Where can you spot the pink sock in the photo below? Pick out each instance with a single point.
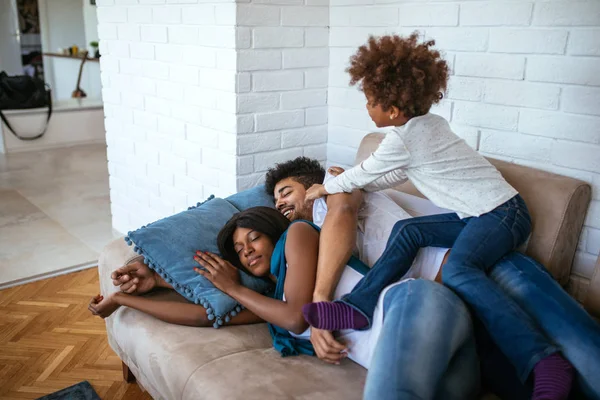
(553, 377)
(333, 316)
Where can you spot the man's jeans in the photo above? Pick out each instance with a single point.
(426, 348)
(556, 314)
(477, 244)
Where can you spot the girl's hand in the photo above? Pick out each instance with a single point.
(219, 272)
(315, 192)
(335, 171)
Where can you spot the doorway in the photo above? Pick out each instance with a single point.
(30, 38)
(21, 44)
(10, 45)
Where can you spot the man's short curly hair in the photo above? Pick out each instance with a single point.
(400, 71)
(302, 169)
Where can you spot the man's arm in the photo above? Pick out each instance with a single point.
(338, 238)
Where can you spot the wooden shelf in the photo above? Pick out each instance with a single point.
(77, 57)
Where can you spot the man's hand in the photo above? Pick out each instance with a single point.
(135, 278)
(327, 348)
(315, 192)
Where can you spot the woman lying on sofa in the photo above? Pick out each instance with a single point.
(431, 318)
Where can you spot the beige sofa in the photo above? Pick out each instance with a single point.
(176, 362)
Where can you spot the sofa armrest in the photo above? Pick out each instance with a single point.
(116, 254)
(592, 299)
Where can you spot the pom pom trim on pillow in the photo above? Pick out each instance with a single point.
(185, 289)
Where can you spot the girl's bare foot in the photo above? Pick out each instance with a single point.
(104, 306)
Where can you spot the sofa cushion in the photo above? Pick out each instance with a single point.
(169, 355)
(169, 245)
(235, 362)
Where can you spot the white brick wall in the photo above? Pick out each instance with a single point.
(202, 97)
(282, 49)
(524, 88)
(165, 97)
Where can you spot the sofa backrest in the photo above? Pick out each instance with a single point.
(557, 205)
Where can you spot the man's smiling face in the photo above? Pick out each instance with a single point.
(289, 200)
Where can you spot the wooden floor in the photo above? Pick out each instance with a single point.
(49, 341)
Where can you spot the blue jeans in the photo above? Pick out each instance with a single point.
(556, 314)
(477, 244)
(426, 349)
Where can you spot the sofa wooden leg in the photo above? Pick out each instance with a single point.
(127, 374)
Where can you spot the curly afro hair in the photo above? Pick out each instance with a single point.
(400, 71)
(303, 169)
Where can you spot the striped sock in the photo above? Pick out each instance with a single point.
(333, 316)
(553, 377)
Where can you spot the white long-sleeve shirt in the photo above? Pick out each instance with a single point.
(440, 165)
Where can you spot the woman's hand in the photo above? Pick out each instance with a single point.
(335, 171)
(219, 272)
(104, 306)
(136, 278)
(315, 192)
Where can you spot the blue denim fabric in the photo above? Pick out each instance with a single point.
(426, 349)
(477, 244)
(556, 314)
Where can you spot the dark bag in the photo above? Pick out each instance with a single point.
(23, 92)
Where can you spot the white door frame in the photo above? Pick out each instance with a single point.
(45, 34)
(12, 47)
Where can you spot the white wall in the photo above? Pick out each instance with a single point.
(169, 79)
(282, 63)
(201, 98)
(525, 85)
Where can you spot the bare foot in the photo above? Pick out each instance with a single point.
(104, 306)
(136, 278)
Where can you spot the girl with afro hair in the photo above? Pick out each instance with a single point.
(401, 79)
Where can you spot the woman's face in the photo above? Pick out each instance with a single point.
(254, 250)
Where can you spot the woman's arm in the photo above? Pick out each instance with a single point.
(173, 312)
(301, 251)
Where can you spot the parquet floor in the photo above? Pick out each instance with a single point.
(49, 341)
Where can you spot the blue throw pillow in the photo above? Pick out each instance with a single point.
(170, 244)
(255, 197)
